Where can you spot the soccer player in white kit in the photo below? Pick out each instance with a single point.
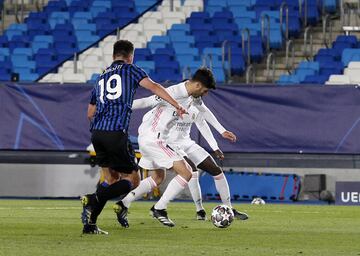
(179, 140)
(156, 153)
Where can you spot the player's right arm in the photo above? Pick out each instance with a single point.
(160, 91)
(147, 102)
(175, 91)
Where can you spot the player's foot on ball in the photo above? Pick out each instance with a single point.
(121, 212)
(201, 215)
(93, 229)
(161, 215)
(88, 203)
(240, 215)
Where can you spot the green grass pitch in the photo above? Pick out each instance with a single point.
(52, 227)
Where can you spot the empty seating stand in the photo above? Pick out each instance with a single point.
(74, 25)
(224, 21)
(331, 64)
(245, 186)
(63, 28)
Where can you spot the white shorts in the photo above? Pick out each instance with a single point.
(156, 154)
(192, 150)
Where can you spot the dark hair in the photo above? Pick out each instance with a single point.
(123, 48)
(205, 77)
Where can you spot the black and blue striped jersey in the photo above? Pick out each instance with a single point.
(114, 94)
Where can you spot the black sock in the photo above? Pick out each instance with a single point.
(98, 206)
(115, 190)
(103, 194)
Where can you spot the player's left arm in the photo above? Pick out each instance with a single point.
(205, 131)
(210, 117)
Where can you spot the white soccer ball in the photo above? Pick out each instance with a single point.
(222, 216)
(257, 200)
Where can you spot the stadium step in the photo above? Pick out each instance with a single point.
(22, 10)
(261, 74)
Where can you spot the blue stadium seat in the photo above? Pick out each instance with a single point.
(86, 40)
(142, 5)
(180, 27)
(309, 65)
(78, 6)
(186, 55)
(4, 42)
(93, 78)
(163, 55)
(302, 73)
(56, 6)
(5, 66)
(59, 15)
(330, 6)
(328, 68)
(85, 27)
(315, 79)
(288, 80)
(246, 3)
(147, 65)
(350, 55)
(27, 75)
(19, 41)
(16, 30)
(238, 65)
(82, 17)
(142, 54)
(4, 54)
(313, 13)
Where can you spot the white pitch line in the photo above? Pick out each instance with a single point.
(39, 208)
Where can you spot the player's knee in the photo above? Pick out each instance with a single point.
(187, 174)
(134, 178)
(158, 177)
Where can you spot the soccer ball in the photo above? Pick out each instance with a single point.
(257, 200)
(222, 216)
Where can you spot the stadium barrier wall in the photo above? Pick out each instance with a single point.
(292, 119)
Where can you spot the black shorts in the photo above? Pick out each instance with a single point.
(114, 150)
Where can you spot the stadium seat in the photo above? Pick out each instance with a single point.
(349, 55)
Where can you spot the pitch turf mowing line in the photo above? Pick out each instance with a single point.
(43, 227)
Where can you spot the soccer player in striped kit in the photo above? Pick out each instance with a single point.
(114, 93)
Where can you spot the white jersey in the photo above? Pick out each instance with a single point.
(176, 130)
(158, 122)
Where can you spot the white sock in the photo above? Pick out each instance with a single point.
(145, 186)
(175, 186)
(195, 191)
(222, 187)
